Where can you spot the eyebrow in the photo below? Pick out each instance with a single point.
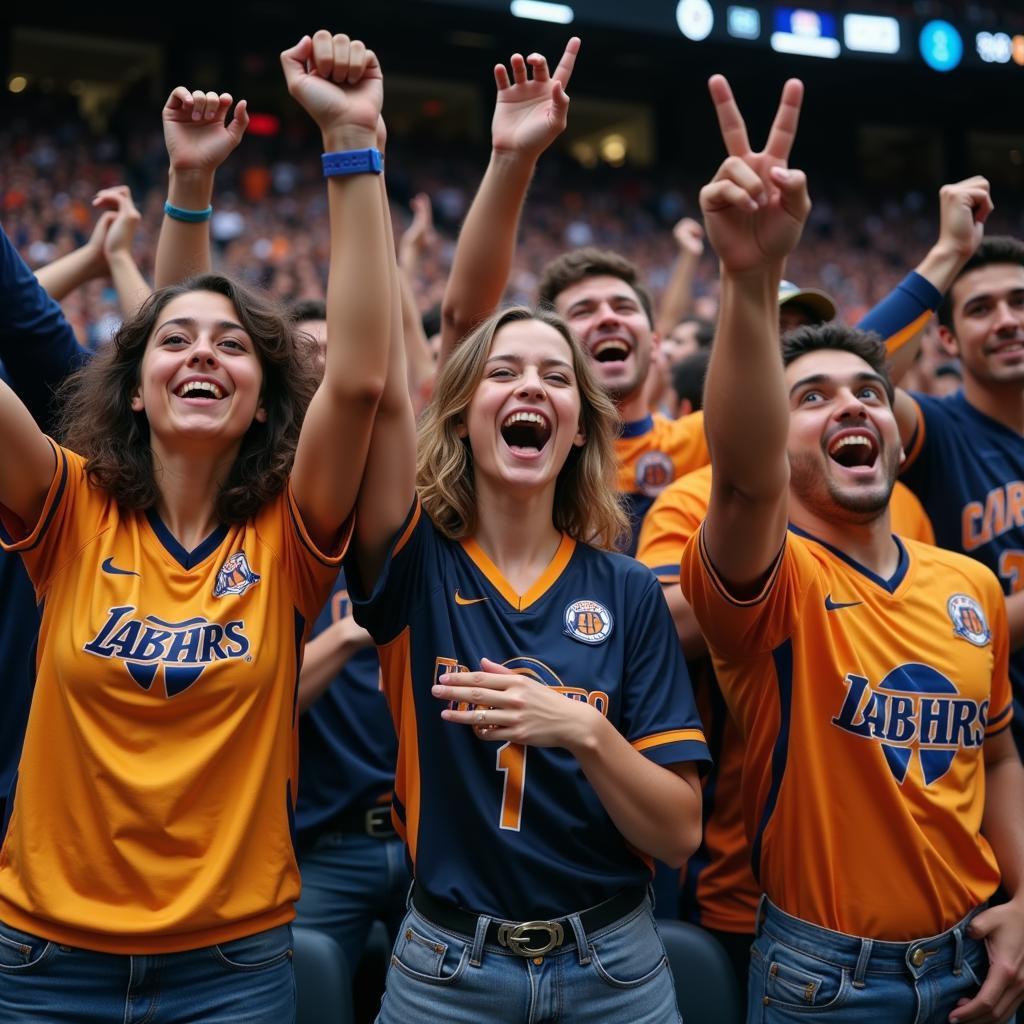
(824, 378)
(584, 300)
(519, 361)
(188, 321)
(982, 296)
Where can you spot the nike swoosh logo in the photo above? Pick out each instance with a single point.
(459, 599)
(831, 606)
(108, 566)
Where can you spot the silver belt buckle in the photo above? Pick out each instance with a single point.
(514, 937)
(378, 823)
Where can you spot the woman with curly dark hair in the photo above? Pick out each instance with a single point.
(180, 541)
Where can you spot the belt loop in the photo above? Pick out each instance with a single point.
(862, 962)
(476, 954)
(582, 945)
(759, 918)
(958, 956)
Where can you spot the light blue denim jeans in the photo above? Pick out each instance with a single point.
(348, 882)
(800, 972)
(249, 979)
(619, 974)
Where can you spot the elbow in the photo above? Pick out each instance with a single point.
(454, 323)
(682, 845)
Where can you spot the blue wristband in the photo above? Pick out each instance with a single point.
(188, 216)
(353, 161)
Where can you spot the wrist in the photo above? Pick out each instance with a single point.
(514, 159)
(943, 263)
(190, 189)
(343, 137)
(586, 738)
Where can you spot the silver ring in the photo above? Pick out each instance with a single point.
(480, 715)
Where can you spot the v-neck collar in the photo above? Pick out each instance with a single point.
(888, 585)
(186, 559)
(544, 582)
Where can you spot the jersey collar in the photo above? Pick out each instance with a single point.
(186, 559)
(543, 583)
(888, 585)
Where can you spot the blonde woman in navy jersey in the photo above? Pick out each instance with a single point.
(546, 728)
(180, 545)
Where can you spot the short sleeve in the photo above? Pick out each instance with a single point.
(659, 715)
(672, 520)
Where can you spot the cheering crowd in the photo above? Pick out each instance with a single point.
(337, 586)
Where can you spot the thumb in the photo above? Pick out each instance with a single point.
(793, 186)
(559, 98)
(238, 123)
(984, 923)
(293, 60)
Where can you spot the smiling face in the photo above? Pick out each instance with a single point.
(606, 315)
(988, 323)
(524, 416)
(844, 445)
(200, 376)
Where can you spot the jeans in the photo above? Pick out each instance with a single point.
(618, 973)
(348, 882)
(249, 979)
(800, 972)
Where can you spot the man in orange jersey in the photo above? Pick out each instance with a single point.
(866, 673)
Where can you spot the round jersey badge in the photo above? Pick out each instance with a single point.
(968, 620)
(654, 472)
(588, 621)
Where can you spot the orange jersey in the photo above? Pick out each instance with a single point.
(653, 452)
(154, 796)
(863, 704)
(719, 883)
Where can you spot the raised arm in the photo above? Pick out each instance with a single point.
(340, 85)
(678, 296)
(754, 212)
(418, 238)
(131, 287)
(529, 114)
(70, 271)
(198, 142)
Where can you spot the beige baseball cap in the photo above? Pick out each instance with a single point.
(820, 303)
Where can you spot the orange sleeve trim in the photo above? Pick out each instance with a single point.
(659, 739)
(414, 518)
(723, 589)
(53, 497)
(345, 534)
(896, 341)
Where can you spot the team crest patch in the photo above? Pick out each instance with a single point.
(235, 576)
(654, 472)
(588, 621)
(968, 620)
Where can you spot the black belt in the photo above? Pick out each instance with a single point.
(518, 937)
(374, 822)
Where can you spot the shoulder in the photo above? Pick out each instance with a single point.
(943, 567)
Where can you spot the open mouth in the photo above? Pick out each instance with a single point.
(854, 451)
(610, 350)
(199, 389)
(525, 431)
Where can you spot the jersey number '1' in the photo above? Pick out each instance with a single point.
(511, 760)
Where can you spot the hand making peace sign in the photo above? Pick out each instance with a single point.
(755, 206)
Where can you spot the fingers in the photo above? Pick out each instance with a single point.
(539, 66)
(482, 718)
(295, 59)
(792, 186)
(240, 121)
(730, 121)
(736, 184)
(180, 99)
(985, 1007)
(783, 133)
(501, 79)
(336, 58)
(565, 66)
(112, 198)
(518, 68)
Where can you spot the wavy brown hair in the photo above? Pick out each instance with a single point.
(586, 502)
(97, 421)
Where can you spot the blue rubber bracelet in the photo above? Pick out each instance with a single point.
(353, 161)
(188, 216)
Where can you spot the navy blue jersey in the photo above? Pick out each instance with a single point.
(347, 742)
(968, 471)
(512, 831)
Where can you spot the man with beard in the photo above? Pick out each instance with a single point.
(867, 673)
(965, 452)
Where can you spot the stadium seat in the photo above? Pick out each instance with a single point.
(321, 980)
(706, 986)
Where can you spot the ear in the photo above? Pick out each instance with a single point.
(580, 437)
(136, 400)
(461, 429)
(948, 342)
(261, 415)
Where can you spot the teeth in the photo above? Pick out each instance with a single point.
(610, 344)
(524, 417)
(204, 386)
(849, 439)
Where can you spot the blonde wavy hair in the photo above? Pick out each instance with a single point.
(586, 505)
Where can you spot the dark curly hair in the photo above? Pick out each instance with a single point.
(97, 421)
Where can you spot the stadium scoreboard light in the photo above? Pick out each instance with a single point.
(803, 30)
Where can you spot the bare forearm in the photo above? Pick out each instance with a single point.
(132, 288)
(61, 277)
(183, 248)
(678, 295)
(656, 810)
(1003, 824)
(486, 247)
(745, 373)
(1015, 619)
(324, 657)
(417, 355)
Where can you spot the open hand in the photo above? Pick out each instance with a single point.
(530, 113)
(124, 219)
(755, 206)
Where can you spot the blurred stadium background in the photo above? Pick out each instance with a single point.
(901, 96)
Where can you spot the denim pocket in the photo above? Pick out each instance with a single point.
(630, 954)
(20, 951)
(801, 982)
(255, 952)
(424, 952)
